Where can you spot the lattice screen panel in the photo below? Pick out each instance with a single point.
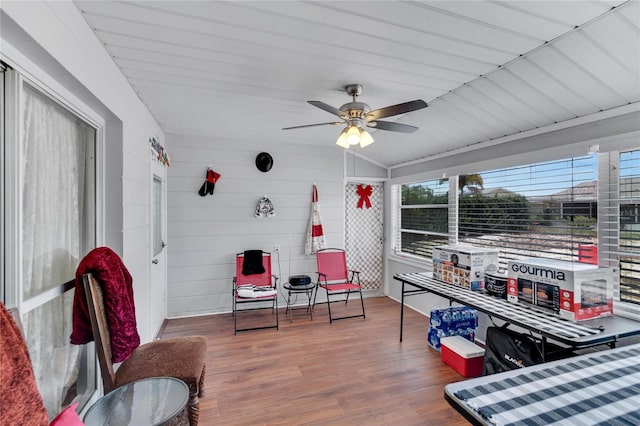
(364, 235)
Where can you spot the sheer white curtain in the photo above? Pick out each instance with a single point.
(53, 176)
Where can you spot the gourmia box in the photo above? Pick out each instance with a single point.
(463, 266)
(575, 291)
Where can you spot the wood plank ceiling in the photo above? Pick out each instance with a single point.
(241, 71)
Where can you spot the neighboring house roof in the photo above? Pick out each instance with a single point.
(586, 191)
(583, 192)
(497, 192)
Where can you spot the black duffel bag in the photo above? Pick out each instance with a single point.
(507, 350)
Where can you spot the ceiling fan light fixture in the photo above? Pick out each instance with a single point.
(342, 140)
(353, 135)
(365, 138)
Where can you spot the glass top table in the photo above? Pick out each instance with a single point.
(152, 401)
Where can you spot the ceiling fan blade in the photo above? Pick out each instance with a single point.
(391, 126)
(396, 109)
(335, 123)
(329, 108)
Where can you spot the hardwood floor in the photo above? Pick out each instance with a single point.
(351, 372)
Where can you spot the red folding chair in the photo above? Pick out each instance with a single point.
(254, 286)
(337, 280)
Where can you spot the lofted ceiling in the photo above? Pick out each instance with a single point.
(243, 70)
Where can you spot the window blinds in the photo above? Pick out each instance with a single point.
(540, 210)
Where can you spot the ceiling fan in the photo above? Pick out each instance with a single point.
(357, 115)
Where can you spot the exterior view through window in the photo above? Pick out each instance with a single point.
(424, 217)
(547, 209)
(541, 210)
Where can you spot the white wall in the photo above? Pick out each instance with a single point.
(54, 36)
(205, 233)
(358, 166)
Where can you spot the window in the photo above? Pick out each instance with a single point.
(424, 217)
(629, 196)
(540, 210)
(49, 162)
(581, 209)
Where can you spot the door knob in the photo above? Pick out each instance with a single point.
(154, 261)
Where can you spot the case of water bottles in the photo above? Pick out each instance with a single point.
(451, 321)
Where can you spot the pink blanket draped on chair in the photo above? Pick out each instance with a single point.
(116, 282)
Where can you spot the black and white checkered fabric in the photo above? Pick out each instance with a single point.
(599, 390)
(537, 320)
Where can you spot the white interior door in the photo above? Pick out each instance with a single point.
(158, 288)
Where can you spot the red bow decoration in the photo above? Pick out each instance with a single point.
(364, 192)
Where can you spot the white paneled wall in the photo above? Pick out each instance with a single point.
(54, 37)
(136, 222)
(205, 233)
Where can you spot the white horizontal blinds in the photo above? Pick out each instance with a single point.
(424, 216)
(538, 210)
(608, 214)
(629, 250)
(453, 211)
(395, 217)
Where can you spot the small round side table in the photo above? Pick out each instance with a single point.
(152, 401)
(306, 289)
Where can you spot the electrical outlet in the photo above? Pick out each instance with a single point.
(276, 248)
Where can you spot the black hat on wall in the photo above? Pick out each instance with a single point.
(264, 162)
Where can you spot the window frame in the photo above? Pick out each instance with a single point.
(11, 281)
(398, 207)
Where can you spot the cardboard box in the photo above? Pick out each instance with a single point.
(462, 265)
(464, 356)
(575, 291)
